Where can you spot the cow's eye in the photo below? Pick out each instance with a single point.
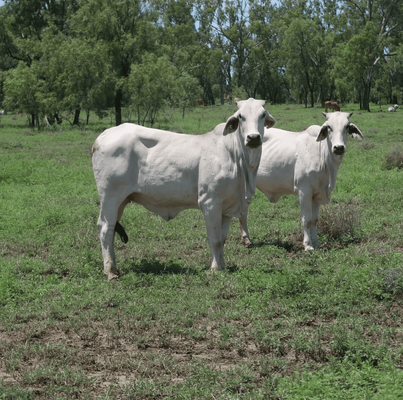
(240, 116)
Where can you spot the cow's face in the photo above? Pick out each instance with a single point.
(336, 129)
(251, 119)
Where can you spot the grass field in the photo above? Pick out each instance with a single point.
(279, 323)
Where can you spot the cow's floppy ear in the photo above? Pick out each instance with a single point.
(324, 131)
(231, 125)
(269, 121)
(355, 132)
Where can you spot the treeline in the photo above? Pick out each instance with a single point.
(78, 56)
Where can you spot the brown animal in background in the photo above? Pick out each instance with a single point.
(333, 105)
(200, 102)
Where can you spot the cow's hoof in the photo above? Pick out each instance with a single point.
(247, 242)
(112, 275)
(309, 248)
(215, 269)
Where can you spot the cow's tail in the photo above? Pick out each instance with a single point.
(122, 233)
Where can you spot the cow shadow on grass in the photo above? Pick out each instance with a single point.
(148, 266)
(153, 266)
(288, 245)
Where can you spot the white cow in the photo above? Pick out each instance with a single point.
(393, 108)
(304, 164)
(3, 112)
(168, 172)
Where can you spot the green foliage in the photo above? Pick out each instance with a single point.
(23, 87)
(152, 83)
(78, 56)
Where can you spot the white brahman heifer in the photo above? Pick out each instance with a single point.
(304, 164)
(168, 172)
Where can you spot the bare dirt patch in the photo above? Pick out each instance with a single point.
(103, 358)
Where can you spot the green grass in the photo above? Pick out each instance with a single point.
(279, 323)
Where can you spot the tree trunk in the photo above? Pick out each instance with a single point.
(76, 117)
(366, 96)
(88, 116)
(118, 107)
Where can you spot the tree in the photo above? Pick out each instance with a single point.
(152, 83)
(303, 52)
(372, 28)
(22, 87)
(125, 28)
(27, 30)
(236, 36)
(186, 90)
(83, 78)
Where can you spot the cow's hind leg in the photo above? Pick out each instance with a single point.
(243, 227)
(314, 226)
(106, 228)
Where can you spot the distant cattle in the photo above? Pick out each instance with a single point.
(3, 112)
(168, 172)
(333, 105)
(200, 102)
(393, 108)
(303, 164)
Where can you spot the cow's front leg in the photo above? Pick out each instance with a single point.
(106, 229)
(243, 227)
(314, 227)
(213, 218)
(305, 202)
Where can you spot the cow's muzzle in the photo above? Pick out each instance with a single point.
(253, 141)
(339, 150)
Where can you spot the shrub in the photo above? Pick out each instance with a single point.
(340, 223)
(394, 159)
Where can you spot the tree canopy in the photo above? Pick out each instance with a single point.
(69, 56)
